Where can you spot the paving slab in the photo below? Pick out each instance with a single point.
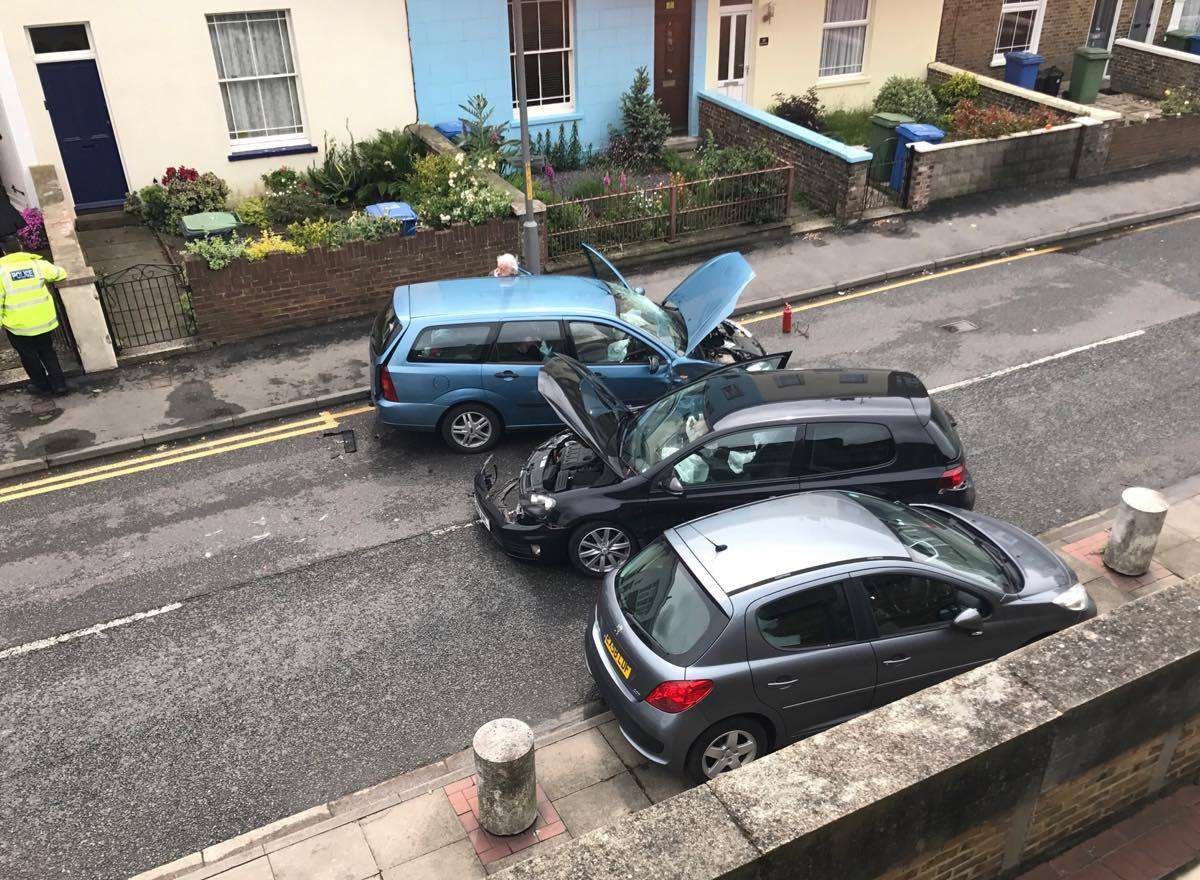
(600, 804)
(1185, 517)
(259, 869)
(1182, 560)
(339, 854)
(629, 756)
(453, 862)
(412, 829)
(572, 764)
(659, 783)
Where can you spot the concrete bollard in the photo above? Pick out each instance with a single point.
(1135, 531)
(507, 783)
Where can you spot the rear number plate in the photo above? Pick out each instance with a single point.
(617, 659)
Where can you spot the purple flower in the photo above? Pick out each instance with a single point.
(33, 235)
(607, 180)
(550, 172)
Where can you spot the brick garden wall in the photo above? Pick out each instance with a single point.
(293, 291)
(968, 33)
(1150, 70)
(996, 92)
(1138, 144)
(831, 183)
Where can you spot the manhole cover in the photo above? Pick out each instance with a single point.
(963, 326)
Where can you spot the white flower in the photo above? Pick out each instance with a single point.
(445, 218)
(460, 158)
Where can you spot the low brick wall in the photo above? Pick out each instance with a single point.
(976, 778)
(997, 92)
(293, 291)
(832, 175)
(1141, 69)
(1138, 144)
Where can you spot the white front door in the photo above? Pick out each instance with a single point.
(733, 50)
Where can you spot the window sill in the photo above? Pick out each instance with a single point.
(565, 115)
(833, 82)
(270, 152)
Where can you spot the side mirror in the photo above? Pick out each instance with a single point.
(673, 485)
(655, 363)
(970, 621)
(640, 291)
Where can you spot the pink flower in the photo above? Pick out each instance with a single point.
(607, 181)
(624, 180)
(550, 171)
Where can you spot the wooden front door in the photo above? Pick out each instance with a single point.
(672, 59)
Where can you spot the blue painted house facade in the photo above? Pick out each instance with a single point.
(580, 56)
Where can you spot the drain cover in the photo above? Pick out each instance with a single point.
(962, 326)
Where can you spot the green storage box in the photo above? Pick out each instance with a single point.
(1088, 74)
(883, 143)
(1177, 40)
(208, 223)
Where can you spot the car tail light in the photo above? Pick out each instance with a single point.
(954, 478)
(387, 390)
(679, 696)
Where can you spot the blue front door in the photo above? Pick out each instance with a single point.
(84, 132)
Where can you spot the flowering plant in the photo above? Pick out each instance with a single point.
(970, 120)
(450, 188)
(33, 235)
(181, 173)
(268, 243)
(1180, 101)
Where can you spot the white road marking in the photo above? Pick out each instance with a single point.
(42, 644)
(448, 529)
(996, 374)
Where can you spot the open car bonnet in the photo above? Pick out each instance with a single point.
(586, 406)
(708, 296)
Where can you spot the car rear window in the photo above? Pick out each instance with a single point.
(849, 446)
(383, 328)
(665, 605)
(944, 434)
(460, 344)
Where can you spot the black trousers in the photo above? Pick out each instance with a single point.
(40, 360)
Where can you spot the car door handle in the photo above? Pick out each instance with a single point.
(506, 374)
(782, 682)
(897, 660)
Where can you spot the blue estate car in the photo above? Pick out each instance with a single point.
(461, 357)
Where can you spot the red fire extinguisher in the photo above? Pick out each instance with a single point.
(787, 318)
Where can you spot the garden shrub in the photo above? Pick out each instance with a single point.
(252, 212)
(319, 232)
(588, 188)
(295, 205)
(1180, 101)
(33, 234)
(183, 191)
(564, 152)
(281, 180)
(340, 174)
(363, 227)
(960, 87)
(908, 95)
(541, 190)
(805, 110)
(269, 242)
(452, 189)
(970, 121)
(482, 139)
(217, 251)
(715, 160)
(644, 127)
(387, 162)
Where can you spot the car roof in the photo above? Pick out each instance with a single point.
(740, 398)
(496, 297)
(771, 539)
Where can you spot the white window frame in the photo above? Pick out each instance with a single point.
(865, 24)
(563, 106)
(1035, 35)
(1176, 15)
(271, 141)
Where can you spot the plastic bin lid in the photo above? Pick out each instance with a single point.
(890, 120)
(1024, 57)
(1181, 33)
(1093, 53)
(395, 210)
(209, 221)
(920, 131)
(454, 126)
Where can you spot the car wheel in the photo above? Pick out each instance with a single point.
(471, 428)
(732, 743)
(598, 547)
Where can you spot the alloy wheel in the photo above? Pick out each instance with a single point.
(471, 429)
(730, 750)
(604, 548)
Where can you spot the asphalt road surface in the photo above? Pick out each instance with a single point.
(330, 619)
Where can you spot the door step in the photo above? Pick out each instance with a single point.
(105, 220)
(682, 143)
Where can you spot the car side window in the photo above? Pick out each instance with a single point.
(601, 344)
(849, 446)
(905, 602)
(527, 342)
(747, 456)
(461, 344)
(808, 618)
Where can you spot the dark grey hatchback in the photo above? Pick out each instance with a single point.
(742, 631)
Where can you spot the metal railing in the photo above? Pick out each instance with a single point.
(146, 304)
(664, 212)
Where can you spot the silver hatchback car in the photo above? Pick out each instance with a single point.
(743, 631)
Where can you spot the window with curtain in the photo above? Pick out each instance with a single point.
(1020, 26)
(257, 75)
(546, 26)
(1187, 13)
(844, 37)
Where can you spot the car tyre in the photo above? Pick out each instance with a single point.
(597, 547)
(725, 746)
(471, 428)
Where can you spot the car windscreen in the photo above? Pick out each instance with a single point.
(638, 310)
(665, 605)
(667, 426)
(935, 542)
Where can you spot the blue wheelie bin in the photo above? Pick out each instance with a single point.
(910, 133)
(1021, 68)
(401, 211)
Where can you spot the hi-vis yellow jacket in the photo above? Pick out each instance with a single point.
(26, 303)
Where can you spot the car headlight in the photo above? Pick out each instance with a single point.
(538, 505)
(1073, 599)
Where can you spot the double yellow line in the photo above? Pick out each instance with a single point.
(324, 421)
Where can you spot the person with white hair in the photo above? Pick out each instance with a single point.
(506, 266)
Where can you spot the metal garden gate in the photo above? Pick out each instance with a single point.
(146, 304)
(878, 192)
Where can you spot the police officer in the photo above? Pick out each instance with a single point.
(29, 317)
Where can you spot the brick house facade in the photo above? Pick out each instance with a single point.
(970, 30)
